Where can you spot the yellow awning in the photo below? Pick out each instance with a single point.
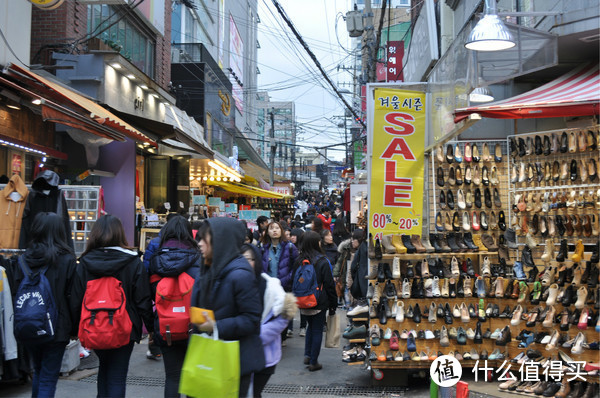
(247, 190)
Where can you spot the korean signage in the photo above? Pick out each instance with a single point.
(396, 167)
(395, 54)
(236, 63)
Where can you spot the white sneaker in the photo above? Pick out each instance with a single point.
(406, 288)
(302, 332)
(359, 309)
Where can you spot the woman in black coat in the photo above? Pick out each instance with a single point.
(107, 255)
(49, 248)
(310, 250)
(360, 266)
(227, 285)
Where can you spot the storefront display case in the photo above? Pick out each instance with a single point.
(83, 205)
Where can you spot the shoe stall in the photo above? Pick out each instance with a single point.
(500, 263)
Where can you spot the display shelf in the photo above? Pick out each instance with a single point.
(357, 340)
(83, 203)
(425, 364)
(420, 256)
(359, 319)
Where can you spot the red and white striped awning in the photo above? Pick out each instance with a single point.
(576, 93)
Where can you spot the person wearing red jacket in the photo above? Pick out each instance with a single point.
(325, 216)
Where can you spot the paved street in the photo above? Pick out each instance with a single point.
(146, 378)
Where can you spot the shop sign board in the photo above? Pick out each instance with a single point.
(395, 54)
(199, 199)
(231, 208)
(252, 215)
(397, 143)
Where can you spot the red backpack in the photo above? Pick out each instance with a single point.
(105, 323)
(173, 299)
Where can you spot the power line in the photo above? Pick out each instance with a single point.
(312, 56)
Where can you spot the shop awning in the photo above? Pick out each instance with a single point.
(576, 93)
(247, 190)
(167, 133)
(62, 105)
(254, 172)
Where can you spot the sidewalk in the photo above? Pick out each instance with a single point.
(146, 378)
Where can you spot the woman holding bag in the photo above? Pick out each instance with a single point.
(227, 285)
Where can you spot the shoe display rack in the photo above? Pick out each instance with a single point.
(460, 291)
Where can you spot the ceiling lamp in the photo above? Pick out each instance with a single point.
(481, 94)
(490, 33)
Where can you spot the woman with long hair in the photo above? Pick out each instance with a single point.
(177, 256)
(311, 251)
(278, 258)
(107, 254)
(47, 252)
(278, 308)
(340, 233)
(360, 265)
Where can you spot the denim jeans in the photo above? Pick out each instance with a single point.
(112, 373)
(173, 357)
(314, 336)
(47, 360)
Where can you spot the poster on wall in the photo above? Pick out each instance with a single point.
(16, 163)
(396, 166)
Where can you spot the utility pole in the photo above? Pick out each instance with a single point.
(368, 43)
(273, 148)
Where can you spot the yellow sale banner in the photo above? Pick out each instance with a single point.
(398, 145)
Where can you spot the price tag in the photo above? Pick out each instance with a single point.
(167, 205)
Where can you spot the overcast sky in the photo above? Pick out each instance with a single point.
(286, 76)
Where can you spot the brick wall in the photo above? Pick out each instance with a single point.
(58, 29)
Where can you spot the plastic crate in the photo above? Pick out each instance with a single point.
(70, 360)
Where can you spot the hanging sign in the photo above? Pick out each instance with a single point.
(396, 186)
(395, 54)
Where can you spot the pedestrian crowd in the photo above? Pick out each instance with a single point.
(247, 285)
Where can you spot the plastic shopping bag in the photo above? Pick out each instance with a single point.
(211, 367)
(334, 333)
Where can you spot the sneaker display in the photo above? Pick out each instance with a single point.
(302, 332)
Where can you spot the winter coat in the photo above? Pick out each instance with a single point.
(45, 196)
(287, 259)
(326, 221)
(331, 251)
(125, 265)
(12, 205)
(278, 308)
(169, 262)
(341, 266)
(228, 286)
(151, 250)
(328, 297)
(7, 338)
(60, 275)
(360, 268)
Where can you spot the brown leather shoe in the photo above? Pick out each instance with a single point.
(515, 292)
(488, 241)
(416, 241)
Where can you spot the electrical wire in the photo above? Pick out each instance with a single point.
(11, 49)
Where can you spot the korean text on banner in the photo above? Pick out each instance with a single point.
(396, 188)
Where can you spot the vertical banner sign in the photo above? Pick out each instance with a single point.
(396, 190)
(395, 55)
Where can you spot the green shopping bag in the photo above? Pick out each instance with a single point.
(211, 367)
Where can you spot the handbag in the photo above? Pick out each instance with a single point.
(333, 334)
(211, 367)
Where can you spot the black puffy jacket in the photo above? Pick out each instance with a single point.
(126, 266)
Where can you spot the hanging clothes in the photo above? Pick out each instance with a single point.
(45, 196)
(12, 206)
(9, 343)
